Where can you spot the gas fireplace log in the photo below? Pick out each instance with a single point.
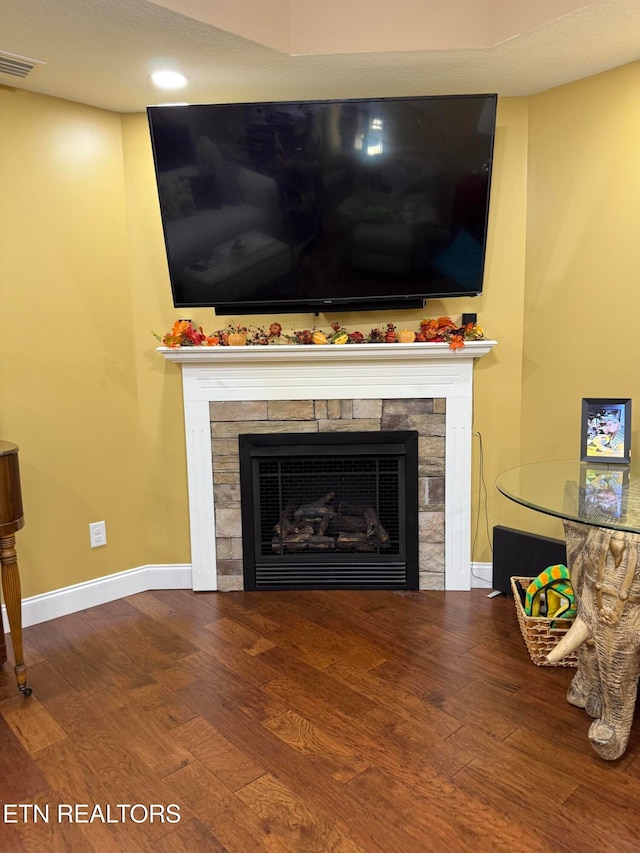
(322, 526)
(368, 513)
(299, 532)
(351, 538)
(321, 543)
(371, 518)
(347, 522)
(360, 518)
(317, 509)
(374, 529)
(355, 542)
(383, 536)
(312, 512)
(316, 527)
(285, 527)
(303, 542)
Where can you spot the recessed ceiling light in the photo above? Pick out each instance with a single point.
(169, 79)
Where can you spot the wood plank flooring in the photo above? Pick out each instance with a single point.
(349, 722)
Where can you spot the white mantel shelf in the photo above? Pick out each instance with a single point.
(331, 372)
(326, 352)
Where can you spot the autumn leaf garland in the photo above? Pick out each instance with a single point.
(431, 330)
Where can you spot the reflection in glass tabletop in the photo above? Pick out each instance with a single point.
(601, 494)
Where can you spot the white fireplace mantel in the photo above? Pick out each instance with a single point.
(358, 371)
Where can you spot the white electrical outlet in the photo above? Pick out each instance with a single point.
(98, 534)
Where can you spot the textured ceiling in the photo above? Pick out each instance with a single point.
(101, 52)
(371, 26)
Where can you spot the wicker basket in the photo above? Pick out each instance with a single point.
(540, 634)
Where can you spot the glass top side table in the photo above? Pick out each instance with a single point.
(599, 504)
(604, 494)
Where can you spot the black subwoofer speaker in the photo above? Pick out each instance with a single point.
(522, 554)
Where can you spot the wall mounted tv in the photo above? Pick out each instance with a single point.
(324, 205)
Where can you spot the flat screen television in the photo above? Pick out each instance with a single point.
(324, 205)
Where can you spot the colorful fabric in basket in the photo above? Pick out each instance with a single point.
(551, 594)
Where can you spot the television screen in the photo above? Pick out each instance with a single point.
(324, 205)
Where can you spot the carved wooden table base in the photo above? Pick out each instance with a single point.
(606, 632)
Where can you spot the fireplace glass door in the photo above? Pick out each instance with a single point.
(330, 510)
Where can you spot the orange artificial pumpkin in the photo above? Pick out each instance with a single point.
(319, 338)
(406, 336)
(236, 339)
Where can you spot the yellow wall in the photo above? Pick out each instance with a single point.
(583, 256)
(497, 377)
(83, 281)
(68, 387)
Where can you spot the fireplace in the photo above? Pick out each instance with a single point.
(229, 391)
(330, 510)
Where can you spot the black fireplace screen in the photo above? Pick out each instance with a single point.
(335, 510)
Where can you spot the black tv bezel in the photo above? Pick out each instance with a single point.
(349, 303)
(326, 306)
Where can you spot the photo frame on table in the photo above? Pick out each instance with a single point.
(602, 492)
(606, 430)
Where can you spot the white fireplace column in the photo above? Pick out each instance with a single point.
(330, 372)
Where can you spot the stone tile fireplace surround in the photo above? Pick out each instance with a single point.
(232, 390)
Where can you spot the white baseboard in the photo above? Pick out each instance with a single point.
(71, 599)
(482, 575)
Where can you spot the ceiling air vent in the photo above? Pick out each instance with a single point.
(16, 65)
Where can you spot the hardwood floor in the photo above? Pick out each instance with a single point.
(302, 721)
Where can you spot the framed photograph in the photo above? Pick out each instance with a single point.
(603, 491)
(606, 430)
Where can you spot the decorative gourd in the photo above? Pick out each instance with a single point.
(340, 337)
(319, 338)
(236, 339)
(406, 336)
